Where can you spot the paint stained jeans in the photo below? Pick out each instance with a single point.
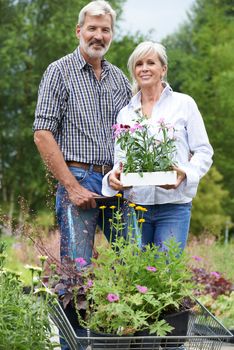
(77, 226)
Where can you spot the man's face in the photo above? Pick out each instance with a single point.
(95, 36)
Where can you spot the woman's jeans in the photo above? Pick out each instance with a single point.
(78, 226)
(165, 221)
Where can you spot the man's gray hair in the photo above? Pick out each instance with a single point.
(142, 50)
(97, 8)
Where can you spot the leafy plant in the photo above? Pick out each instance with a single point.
(128, 289)
(24, 319)
(210, 199)
(212, 283)
(215, 292)
(146, 150)
(222, 307)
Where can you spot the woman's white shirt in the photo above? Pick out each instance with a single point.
(193, 150)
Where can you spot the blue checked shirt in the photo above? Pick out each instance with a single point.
(80, 110)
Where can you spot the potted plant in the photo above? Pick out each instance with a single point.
(127, 289)
(148, 153)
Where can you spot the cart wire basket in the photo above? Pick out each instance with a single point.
(204, 332)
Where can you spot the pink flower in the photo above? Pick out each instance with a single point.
(215, 274)
(151, 268)
(112, 297)
(142, 289)
(161, 121)
(197, 258)
(119, 129)
(136, 127)
(89, 283)
(81, 261)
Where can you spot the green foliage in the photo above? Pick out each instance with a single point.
(215, 255)
(13, 261)
(201, 63)
(130, 289)
(222, 307)
(24, 321)
(33, 34)
(208, 206)
(121, 48)
(144, 149)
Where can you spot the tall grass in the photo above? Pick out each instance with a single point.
(216, 256)
(19, 253)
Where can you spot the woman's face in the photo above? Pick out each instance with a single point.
(149, 70)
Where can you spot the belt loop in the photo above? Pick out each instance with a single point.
(91, 168)
(103, 170)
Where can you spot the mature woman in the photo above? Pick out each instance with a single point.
(168, 208)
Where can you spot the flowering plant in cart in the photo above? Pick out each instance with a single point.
(127, 289)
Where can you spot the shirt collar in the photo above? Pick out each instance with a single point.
(135, 102)
(83, 64)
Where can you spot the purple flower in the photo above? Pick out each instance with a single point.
(89, 283)
(151, 268)
(111, 297)
(215, 274)
(142, 289)
(196, 257)
(81, 261)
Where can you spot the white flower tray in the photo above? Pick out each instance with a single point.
(157, 178)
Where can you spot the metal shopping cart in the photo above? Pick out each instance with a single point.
(204, 332)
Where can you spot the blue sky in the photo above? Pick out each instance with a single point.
(164, 16)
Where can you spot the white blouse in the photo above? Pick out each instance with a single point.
(193, 150)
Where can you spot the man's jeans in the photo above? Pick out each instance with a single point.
(77, 226)
(165, 221)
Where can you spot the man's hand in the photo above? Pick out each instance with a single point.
(54, 160)
(181, 176)
(82, 197)
(114, 180)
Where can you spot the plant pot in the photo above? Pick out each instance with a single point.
(110, 341)
(178, 320)
(157, 178)
(80, 331)
(145, 341)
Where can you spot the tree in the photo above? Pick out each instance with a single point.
(208, 213)
(33, 34)
(202, 65)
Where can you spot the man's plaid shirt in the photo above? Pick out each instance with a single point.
(80, 110)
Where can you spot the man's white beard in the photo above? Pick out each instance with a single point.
(91, 52)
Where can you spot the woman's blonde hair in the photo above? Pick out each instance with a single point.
(142, 50)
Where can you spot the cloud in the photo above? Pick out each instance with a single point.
(163, 16)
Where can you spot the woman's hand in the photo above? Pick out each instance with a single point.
(181, 176)
(114, 180)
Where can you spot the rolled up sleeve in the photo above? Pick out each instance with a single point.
(51, 103)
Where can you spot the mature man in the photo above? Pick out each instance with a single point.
(79, 98)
